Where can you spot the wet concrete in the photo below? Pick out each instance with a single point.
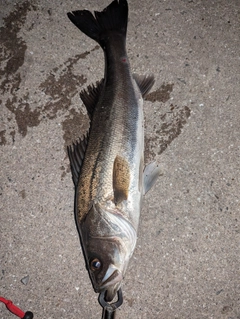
(186, 263)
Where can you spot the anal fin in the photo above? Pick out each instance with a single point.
(76, 154)
(121, 179)
(144, 82)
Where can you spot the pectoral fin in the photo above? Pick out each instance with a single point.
(150, 175)
(76, 154)
(121, 179)
(144, 82)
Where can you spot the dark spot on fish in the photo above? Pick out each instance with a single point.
(161, 95)
(121, 179)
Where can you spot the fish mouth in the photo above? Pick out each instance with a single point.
(111, 282)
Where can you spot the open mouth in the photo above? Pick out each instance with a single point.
(111, 282)
(111, 277)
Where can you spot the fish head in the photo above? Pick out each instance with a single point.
(106, 265)
(108, 241)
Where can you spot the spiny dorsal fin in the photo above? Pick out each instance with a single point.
(144, 82)
(150, 175)
(121, 179)
(90, 96)
(76, 154)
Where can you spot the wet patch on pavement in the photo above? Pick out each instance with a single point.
(24, 116)
(60, 87)
(12, 55)
(162, 94)
(56, 91)
(13, 48)
(168, 124)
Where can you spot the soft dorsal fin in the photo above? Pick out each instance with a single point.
(150, 175)
(144, 82)
(76, 154)
(90, 96)
(121, 179)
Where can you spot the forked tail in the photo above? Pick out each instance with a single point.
(113, 18)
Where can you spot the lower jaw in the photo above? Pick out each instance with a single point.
(110, 291)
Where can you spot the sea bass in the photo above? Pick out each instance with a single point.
(108, 163)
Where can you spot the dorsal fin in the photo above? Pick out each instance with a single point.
(144, 82)
(121, 179)
(76, 154)
(90, 96)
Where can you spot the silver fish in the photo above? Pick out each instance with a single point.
(108, 163)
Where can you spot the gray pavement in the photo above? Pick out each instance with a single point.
(186, 263)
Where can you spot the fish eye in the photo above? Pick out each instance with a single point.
(95, 264)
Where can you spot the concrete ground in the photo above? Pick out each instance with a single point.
(186, 263)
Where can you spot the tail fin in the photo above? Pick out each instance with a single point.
(113, 18)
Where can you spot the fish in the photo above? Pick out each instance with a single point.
(107, 164)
